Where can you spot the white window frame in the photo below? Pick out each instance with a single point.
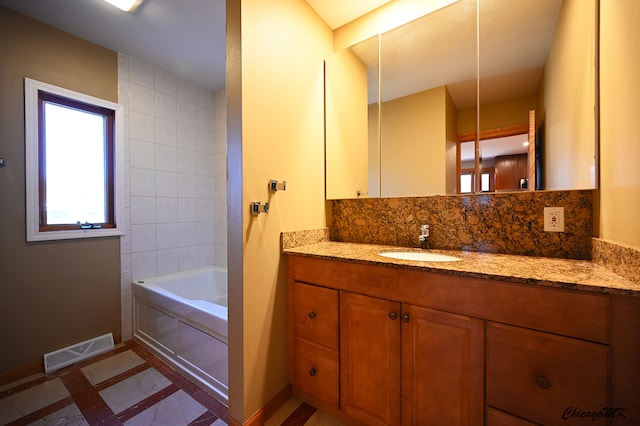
(31, 89)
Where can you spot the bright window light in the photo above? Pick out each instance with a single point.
(75, 194)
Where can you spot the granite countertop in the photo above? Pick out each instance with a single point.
(550, 272)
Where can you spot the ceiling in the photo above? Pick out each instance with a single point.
(185, 37)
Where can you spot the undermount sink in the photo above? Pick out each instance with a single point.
(423, 256)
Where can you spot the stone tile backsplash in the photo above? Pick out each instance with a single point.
(511, 223)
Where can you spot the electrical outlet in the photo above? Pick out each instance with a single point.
(554, 219)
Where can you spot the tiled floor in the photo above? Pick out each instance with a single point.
(127, 386)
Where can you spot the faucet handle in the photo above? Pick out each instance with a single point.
(424, 229)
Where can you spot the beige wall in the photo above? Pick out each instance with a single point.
(413, 141)
(619, 112)
(512, 112)
(56, 293)
(279, 135)
(346, 125)
(570, 99)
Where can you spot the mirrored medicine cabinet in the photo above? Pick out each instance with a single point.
(479, 96)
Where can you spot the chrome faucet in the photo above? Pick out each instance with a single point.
(424, 237)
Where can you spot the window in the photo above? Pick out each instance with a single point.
(72, 159)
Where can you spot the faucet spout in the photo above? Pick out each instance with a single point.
(424, 236)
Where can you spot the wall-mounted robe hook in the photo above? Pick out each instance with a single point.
(257, 208)
(274, 185)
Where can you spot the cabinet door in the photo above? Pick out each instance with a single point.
(370, 359)
(442, 368)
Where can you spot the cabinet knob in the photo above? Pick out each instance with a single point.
(405, 317)
(393, 315)
(543, 382)
(312, 372)
(312, 315)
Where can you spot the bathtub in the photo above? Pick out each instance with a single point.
(182, 318)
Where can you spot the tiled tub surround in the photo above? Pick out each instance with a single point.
(174, 203)
(509, 223)
(550, 272)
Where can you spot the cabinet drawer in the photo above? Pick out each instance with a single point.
(315, 371)
(315, 314)
(539, 376)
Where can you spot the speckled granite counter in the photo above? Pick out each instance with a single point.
(549, 272)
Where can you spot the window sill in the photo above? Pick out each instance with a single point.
(74, 234)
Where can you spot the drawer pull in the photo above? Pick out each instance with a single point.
(312, 315)
(543, 382)
(312, 372)
(393, 315)
(405, 318)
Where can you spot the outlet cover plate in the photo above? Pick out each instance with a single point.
(554, 219)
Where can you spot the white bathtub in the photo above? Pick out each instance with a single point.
(182, 318)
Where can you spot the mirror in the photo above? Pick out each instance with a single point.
(536, 72)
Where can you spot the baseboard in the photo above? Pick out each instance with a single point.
(263, 414)
(34, 368)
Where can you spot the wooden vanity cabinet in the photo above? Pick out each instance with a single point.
(419, 348)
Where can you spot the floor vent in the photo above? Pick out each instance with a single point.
(78, 352)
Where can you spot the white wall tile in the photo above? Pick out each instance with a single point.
(166, 106)
(205, 232)
(166, 210)
(142, 154)
(143, 238)
(168, 261)
(186, 138)
(165, 132)
(141, 126)
(186, 113)
(167, 235)
(174, 220)
(204, 140)
(125, 242)
(141, 99)
(187, 234)
(206, 208)
(143, 182)
(187, 185)
(125, 265)
(206, 255)
(187, 209)
(188, 258)
(204, 164)
(166, 158)
(143, 265)
(187, 161)
(143, 210)
(166, 184)
(205, 186)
